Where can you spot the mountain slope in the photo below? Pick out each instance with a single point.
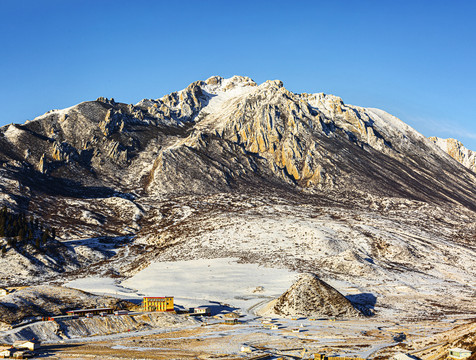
(223, 134)
(229, 168)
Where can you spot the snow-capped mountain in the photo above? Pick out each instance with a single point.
(229, 168)
(223, 134)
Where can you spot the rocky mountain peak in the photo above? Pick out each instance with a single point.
(217, 83)
(457, 151)
(273, 83)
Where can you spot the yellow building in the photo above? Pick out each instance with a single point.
(164, 303)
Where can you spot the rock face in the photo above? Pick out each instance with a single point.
(215, 136)
(310, 296)
(457, 151)
(226, 134)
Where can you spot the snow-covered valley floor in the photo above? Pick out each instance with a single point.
(201, 282)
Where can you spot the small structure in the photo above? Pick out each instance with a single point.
(231, 321)
(274, 327)
(22, 354)
(6, 351)
(61, 317)
(3, 292)
(458, 353)
(27, 345)
(202, 310)
(84, 312)
(232, 315)
(335, 357)
(161, 303)
(246, 349)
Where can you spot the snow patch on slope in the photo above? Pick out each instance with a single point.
(13, 133)
(222, 98)
(58, 112)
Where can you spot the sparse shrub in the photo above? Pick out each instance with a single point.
(21, 231)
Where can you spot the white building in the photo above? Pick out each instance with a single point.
(27, 345)
(458, 353)
(201, 310)
(6, 351)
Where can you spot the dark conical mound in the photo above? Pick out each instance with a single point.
(310, 296)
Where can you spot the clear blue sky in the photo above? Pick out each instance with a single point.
(415, 59)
